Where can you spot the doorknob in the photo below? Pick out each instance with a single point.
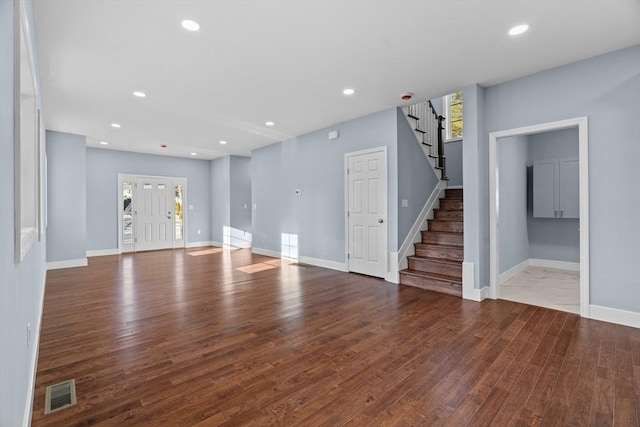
(380, 220)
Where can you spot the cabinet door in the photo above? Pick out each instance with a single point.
(545, 193)
(569, 188)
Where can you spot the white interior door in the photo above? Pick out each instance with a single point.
(367, 213)
(154, 214)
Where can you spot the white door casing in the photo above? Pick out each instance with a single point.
(151, 222)
(367, 212)
(494, 208)
(154, 214)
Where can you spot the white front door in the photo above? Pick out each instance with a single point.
(367, 213)
(154, 218)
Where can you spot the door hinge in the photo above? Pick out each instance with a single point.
(135, 240)
(347, 171)
(348, 256)
(348, 213)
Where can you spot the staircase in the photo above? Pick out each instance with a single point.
(437, 263)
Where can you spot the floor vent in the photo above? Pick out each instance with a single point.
(60, 396)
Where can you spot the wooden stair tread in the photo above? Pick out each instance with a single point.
(437, 260)
(441, 277)
(438, 245)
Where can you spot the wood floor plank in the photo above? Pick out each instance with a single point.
(214, 337)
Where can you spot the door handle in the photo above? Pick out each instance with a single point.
(380, 220)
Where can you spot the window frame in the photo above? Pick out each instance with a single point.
(29, 191)
(446, 108)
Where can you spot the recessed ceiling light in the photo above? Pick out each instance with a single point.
(223, 142)
(104, 143)
(116, 125)
(194, 154)
(518, 29)
(140, 94)
(348, 91)
(163, 145)
(269, 123)
(190, 25)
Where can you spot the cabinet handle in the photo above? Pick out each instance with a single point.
(555, 213)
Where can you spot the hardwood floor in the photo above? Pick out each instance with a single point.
(216, 337)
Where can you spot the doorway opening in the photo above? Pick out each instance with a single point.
(151, 212)
(539, 234)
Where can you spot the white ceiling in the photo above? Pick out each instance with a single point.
(288, 61)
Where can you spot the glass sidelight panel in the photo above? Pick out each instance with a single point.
(127, 217)
(179, 212)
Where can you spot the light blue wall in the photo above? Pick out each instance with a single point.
(550, 238)
(103, 167)
(220, 198)
(67, 197)
(416, 179)
(21, 285)
(315, 165)
(606, 89)
(240, 198)
(453, 152)
(513, 156)
(475, 170)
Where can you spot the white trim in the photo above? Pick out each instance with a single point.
(55, 265)
(582, 124)
(516, 269)
(395, 265)
(176, 244)
(201, 244)
(382, 149)
(324, 263)
(28, 410)
(103, 252)
(454, 187)
(265, 252)
(469, 291)
(559, 265)
(614, 315)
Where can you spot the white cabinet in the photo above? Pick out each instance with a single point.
(556, 188)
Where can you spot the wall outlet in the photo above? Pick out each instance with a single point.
(190, 207)
(405, 203)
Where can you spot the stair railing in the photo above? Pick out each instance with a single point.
(430, 125)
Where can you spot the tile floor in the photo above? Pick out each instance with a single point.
(545, 287)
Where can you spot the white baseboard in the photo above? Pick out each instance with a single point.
(265, 252)
(103, 252)
(28, 410)
(55, 265)
(469, 290)
(454, 187)
(504, 276)
(332, 265)
(243, 245)
(393, 275)
(560, 265)
(201, 244)
(614, 315)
